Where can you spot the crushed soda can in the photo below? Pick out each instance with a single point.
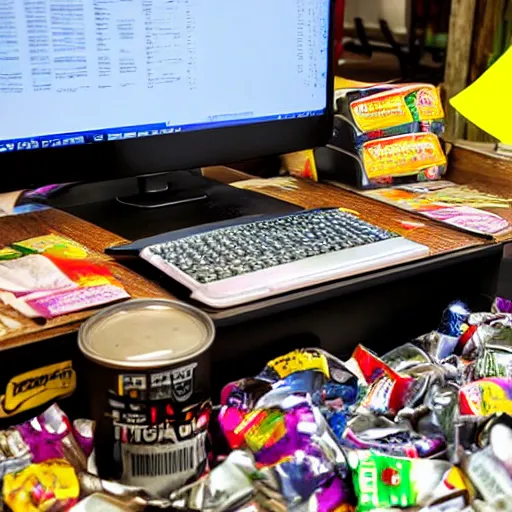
(227, 486)
(15, 454)
(442, 342)
(390, 438)
(114, 494)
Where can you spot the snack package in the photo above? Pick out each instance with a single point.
(382, 481)
(50, 486)
(32, 274)
(389, 390)
(49, 285)
(8, 253)
(486, 396)
(381, 109)
(52, 244)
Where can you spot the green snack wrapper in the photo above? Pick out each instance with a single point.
(385, 482)
(8, 253)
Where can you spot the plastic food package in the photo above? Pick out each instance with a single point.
(50, 486)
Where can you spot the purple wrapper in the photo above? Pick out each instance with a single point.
(50, 436)
(332, 496)
(502, 305)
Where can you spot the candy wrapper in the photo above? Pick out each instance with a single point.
(308, 359)
(49, 285)
(52, 244)
(389, 390)
(51, 436)
(366, 432)
(50, 486)
(486, 396)
(381, 481)
(502, 305)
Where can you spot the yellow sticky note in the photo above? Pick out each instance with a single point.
(487, 103)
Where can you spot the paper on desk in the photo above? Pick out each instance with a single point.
(8, 202)
(487, 103)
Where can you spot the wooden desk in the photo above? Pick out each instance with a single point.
(441, 240)
(20, 227)
(379, 309)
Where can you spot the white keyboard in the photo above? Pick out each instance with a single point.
(242, 263)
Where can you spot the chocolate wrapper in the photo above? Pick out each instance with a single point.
(52, 485)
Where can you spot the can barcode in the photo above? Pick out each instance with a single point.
(159, 464)
(164, 467)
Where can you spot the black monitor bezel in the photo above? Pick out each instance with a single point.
(163, 153)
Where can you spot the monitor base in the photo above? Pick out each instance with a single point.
(97, 203)
(156, 192)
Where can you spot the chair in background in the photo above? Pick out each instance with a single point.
(411, 30)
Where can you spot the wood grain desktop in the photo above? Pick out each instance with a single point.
(441, 240)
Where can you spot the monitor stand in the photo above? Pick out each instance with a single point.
(211, 201)
(156, 192)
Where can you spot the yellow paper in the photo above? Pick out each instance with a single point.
(486, 103)
(347, 83)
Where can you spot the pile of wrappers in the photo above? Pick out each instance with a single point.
(427, 426)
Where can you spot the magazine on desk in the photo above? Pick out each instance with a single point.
(459, 206)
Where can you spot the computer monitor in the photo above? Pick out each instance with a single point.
(103, 89)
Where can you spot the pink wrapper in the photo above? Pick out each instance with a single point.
(71, 301)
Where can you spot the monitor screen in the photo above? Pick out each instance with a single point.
(74, 72)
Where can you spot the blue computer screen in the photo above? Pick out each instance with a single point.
(83, 71)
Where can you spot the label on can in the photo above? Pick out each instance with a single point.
(176, 384)
(160, 467)
(160, 444)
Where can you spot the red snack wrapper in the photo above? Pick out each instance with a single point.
(388, 389)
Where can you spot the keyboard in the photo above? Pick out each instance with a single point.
(233, 265)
